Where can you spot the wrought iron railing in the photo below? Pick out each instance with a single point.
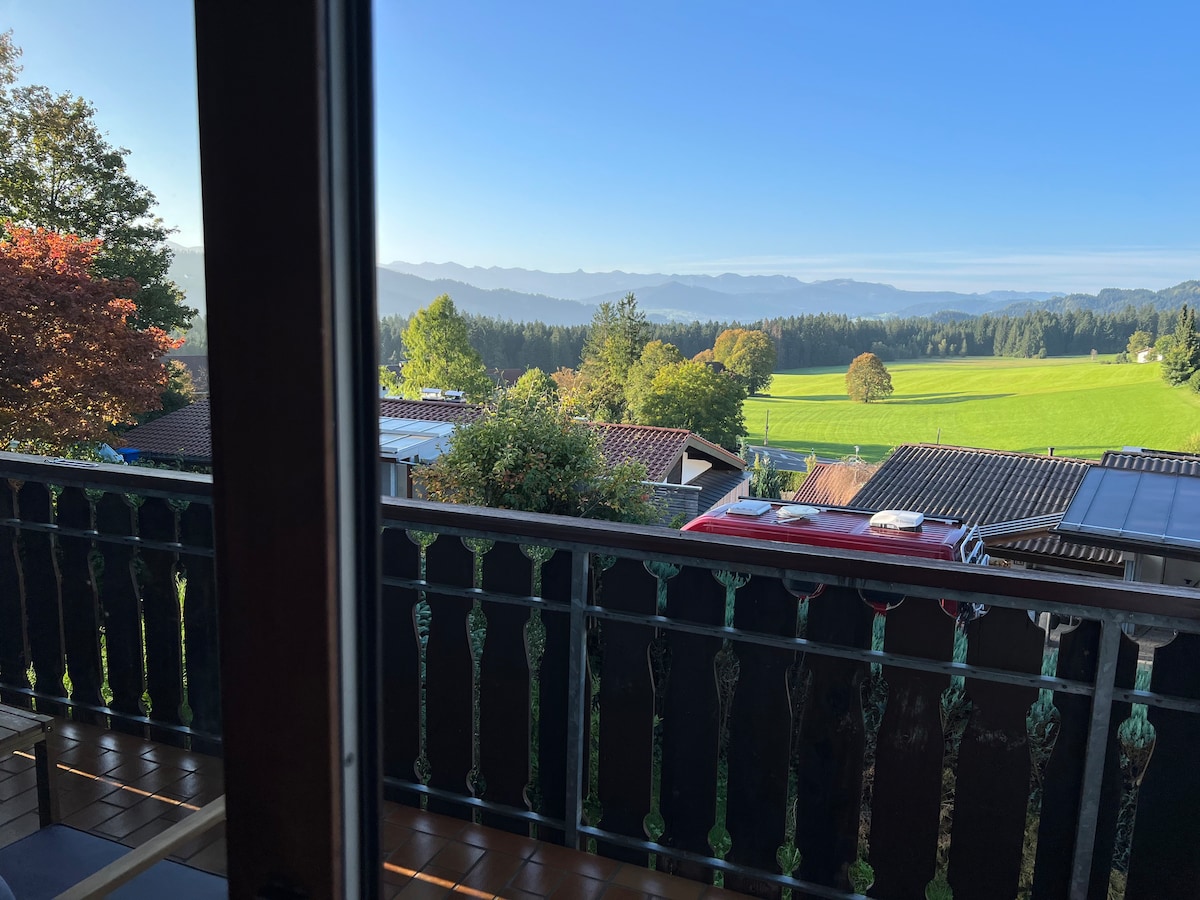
(670, 699)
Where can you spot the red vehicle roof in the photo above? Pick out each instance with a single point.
(837, 528)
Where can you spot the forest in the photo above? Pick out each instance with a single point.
(827, 339)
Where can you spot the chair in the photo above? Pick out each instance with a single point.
(63, 863)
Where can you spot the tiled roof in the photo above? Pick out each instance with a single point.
(978, 486)
(183, 434)
(1153, 461)
(658, 449)
(429, 410)
(833, 484)
(1037, 549)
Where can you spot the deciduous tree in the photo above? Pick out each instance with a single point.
(868, 379)
(690, 395)
(70, 364)
(58, 172)
(527, 453)
(748, 354)
(438, 354)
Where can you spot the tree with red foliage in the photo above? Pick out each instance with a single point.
(71, 365)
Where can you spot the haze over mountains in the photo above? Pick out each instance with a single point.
(571, 298)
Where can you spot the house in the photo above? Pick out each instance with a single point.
(834, 483)
(1148, 355)
(690, 474)
(1014, 499)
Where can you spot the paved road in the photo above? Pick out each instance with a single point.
(784, 460)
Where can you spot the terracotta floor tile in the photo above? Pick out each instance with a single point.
(492, 872)
(18, 806)
(457, 857)
(147, 831)
(500, 841)
(21, 826)
(620, 892)
(657, 883)
(538, 879)
(129, 820)
(587, 864)
(92, 815)
(577, 887)
(201, 842)
(17, 783)
(512, 893)
(418, 850)
(211, 858)
(132, 768)
(439, 875)
(392, 836)
(432, 823)
(422, 890)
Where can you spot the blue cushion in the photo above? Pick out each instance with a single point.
(47, 862)
(5, 891)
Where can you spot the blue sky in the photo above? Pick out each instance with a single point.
(1047, 146)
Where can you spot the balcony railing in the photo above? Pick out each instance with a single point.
(671, 699)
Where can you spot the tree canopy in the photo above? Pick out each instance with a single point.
(72, 366)
(614, 343)
(527, 453)
(868, 379)
(438, 354)
(58, 172)
(691, 395)
(1181, 358)
(748, 354)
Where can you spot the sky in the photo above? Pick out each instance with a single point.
(930, 145)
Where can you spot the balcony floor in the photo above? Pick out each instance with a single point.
(127, 789)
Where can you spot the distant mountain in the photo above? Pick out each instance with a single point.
(570, 298)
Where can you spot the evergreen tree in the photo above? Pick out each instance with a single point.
(438, 354)
(1182, 357)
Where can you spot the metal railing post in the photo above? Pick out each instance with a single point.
(576, 698)
(1093, 763)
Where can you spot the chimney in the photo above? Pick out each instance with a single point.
(1049, 451)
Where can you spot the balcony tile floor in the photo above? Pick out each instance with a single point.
(129, 789)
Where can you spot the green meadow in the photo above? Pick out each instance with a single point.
(1077, 405)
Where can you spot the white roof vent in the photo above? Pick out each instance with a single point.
(898, 520)
(749, 508)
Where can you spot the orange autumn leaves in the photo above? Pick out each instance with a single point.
(70, 364)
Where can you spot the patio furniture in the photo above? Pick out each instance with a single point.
(21, 729)
(65, 863)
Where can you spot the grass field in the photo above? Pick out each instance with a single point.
(1078, 406)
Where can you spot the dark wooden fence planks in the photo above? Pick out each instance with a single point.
(200, 622)
(626, 707)
(401, 665)
(121, 607)
(1077, 658)
(43, 603)
(832, 741)
(449, 675)
(162, 618)
(760, 729)
(907, 791)
(691, 721)
(1163, 862)
(80, 605)
(504, 723)
(14, 647)
(552, 776)
(992, 785)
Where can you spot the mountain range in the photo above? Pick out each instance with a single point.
(571, 298)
